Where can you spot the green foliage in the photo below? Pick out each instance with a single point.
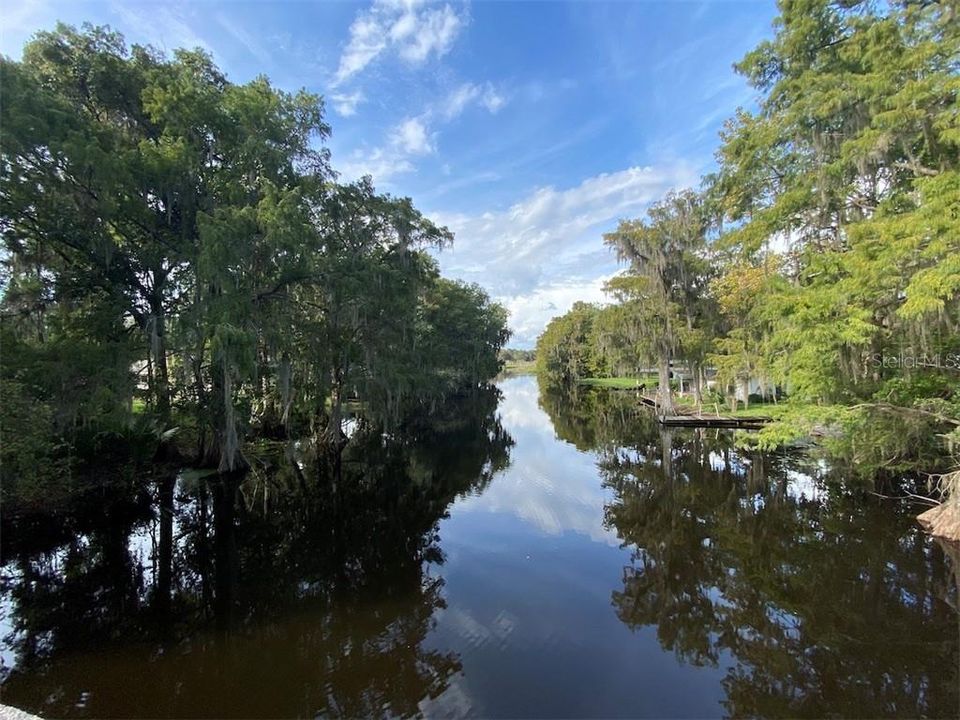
(663, 313)
(35, 460)
(179, 240)
(461, 332)
(567, 350)
(834, 274)
(852, 160)
(515, 355)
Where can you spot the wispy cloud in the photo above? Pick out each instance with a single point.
(432, 31)
(545, 252)
(411, 137)
(405, 141)
(245, 39)
(531, 311)
(20, 21)
(460, 181)
(367, 40)
(414, 136)
(346, 103)
(381, 163)
(412, 29)
(168, 27)
(467, 94)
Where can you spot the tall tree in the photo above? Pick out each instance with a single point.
(850, 166)
(148, 198)
(666, 279)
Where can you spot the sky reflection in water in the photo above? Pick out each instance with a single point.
(531, 554)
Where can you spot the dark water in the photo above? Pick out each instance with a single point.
(517, 555)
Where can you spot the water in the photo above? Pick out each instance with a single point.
(519, 554)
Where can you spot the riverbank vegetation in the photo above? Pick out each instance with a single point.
(518, 362)
(733, 550)
(819, 266)
(183, 273)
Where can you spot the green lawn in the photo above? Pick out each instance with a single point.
(621, 382)
(519, 367)
(772, 410)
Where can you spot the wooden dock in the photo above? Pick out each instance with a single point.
(709, 420)
(712, 421)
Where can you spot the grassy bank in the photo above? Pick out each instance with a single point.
(756, 409)
(621, 382)
(649, 381)
(519, 367)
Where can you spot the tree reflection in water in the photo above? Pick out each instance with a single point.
(818, 601)
(301, 589)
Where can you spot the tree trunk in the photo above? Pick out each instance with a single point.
(334, 437)
(664, 393)
(158, 346)
(201, 394)
(697, 387)
(666, 452)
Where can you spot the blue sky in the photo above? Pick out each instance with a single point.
(528, 128)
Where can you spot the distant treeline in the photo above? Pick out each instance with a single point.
(183, 271)
(513, 355)
(823, 255)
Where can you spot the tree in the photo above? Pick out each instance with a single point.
(666, 279)
(191, 230)
(851, 161)
(848, 172)
(742, 293)
(567, 350)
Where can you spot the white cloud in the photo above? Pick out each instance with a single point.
(410, 28)
(414, 135)
(411, 137)
(380, 163)
(346, 103)
(492, 100)
(167, 27)
(530, 312)
(458, 100)
(433, 31)
(367, 40)
(545, 252)
(405, 141)
(468, 93)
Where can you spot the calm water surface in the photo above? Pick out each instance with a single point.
(519, 554)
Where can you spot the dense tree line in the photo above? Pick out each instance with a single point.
(182, 268)
(517, 355)
(821, 257)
